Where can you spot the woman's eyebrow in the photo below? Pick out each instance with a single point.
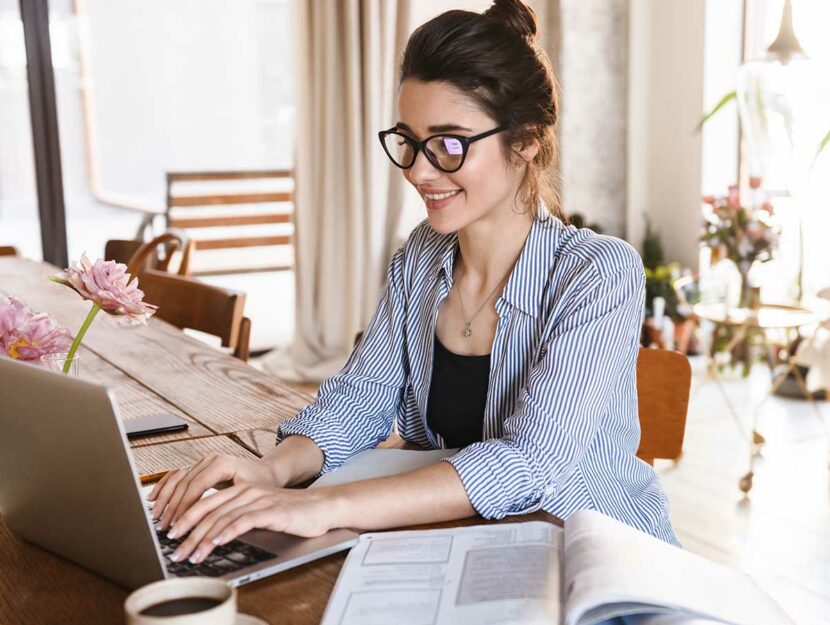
(439, 128)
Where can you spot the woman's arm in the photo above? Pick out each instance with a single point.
(429, 495)
(354, 411)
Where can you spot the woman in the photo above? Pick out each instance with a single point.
(501, 331)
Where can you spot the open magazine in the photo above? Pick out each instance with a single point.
(594, 571)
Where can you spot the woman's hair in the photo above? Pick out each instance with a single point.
(493, 57)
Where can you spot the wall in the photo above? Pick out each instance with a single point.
(594, 110)
(665, 100)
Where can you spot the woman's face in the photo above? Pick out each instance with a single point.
(485, 185)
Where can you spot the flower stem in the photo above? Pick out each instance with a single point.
(80, 336)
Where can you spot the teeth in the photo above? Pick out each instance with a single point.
(440, 196)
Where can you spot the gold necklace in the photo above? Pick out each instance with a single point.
(468, 330)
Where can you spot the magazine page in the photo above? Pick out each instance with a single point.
(485, 574)
(612, 569)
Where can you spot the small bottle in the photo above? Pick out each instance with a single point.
(667, 331)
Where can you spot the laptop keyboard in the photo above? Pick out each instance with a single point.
(224, 559)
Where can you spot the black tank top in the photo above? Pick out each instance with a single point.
(457, 396)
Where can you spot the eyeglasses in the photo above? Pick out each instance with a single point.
(445, 152)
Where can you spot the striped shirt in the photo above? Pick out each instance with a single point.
(560, 426)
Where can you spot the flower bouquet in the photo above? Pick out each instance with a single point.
(743, 235)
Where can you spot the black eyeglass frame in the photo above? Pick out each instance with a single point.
(421, 146)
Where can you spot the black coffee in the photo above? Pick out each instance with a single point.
(181, 607)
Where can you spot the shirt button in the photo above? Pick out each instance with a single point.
(549, 490)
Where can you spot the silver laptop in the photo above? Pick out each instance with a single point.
(68, 484)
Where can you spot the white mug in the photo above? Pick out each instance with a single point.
(183, 601)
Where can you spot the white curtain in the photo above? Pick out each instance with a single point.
(348, 196)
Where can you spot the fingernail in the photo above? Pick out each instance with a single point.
(217, 540)
(172, 533)
(194, 559)
(176, 555)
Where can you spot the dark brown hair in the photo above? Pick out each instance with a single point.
(493, 57)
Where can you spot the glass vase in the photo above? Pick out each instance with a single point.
(57, 362)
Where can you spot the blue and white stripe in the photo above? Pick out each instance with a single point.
(560, 425)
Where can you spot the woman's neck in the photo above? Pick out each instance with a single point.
(489, 248)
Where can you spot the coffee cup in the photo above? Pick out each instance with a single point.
(183, 601)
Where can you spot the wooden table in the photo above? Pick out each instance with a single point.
(231, 407)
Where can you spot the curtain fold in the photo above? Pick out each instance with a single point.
(348, 198)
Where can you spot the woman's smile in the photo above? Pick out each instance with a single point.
(439, 200)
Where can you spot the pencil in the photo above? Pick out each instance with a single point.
(151, 477)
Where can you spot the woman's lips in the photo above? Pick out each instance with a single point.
(442, 203)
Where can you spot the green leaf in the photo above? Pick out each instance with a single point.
(823, 143)
(723, 102)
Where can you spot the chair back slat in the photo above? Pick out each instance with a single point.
(664, 381)
(121, 250)
(188, 303)
(138, 255)
(246, 211)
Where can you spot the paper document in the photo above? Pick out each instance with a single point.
(487, 574)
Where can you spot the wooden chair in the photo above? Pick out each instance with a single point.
(664, 380)
(234, 212)
(138, 255)
(8, 250)
(187, 303)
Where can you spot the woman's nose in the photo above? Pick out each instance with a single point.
(422, 170)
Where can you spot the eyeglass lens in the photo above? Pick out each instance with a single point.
(444, 151)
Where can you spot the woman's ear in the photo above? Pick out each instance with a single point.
(528, 148)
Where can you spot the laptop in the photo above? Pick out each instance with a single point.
(68, 484)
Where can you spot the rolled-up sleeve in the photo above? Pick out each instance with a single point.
(355, 409)
(556, 416)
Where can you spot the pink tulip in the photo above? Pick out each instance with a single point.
(13, 314)
(27, 336)
(107, 284)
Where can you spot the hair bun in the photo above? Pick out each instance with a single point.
(515, 14)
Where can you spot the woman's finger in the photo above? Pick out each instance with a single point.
(159, 485)
(166, 491)
(206, 507)
(236, 522)
(239, 500)
(181, 488)
(219, 470)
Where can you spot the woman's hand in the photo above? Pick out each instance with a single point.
(177, 491)
(224, 515)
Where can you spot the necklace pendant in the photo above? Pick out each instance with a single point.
(467, 331)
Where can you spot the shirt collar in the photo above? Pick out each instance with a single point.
(446, 258)
(530, 274)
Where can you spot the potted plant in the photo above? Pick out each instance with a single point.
(660, 283)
